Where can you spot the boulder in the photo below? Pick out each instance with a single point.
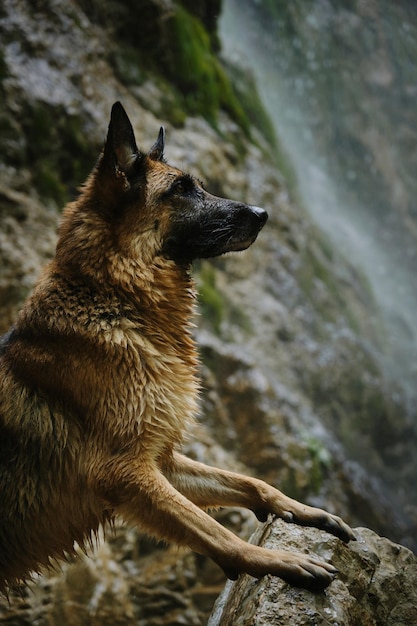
(376, 584)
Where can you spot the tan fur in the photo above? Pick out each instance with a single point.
(98, 384)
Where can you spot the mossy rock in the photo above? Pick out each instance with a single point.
(210, 299)
(57, 148)
(195, 70)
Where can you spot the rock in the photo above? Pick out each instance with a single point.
(376, 584)
(27, 241)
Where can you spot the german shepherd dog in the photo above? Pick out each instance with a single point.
(98, 379)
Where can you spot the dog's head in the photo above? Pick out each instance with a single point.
(154, 209)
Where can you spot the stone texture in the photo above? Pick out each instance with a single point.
(376, 584)
(27, 241)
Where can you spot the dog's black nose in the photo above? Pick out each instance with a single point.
(261, 214)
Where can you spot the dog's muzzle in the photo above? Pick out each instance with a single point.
(253, 218)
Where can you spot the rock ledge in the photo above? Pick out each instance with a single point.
(376, 585)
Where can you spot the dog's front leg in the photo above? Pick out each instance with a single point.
(208, 486)
(144, 496)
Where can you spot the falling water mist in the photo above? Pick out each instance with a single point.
(347, 125)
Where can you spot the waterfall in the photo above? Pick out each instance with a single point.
(339, 82)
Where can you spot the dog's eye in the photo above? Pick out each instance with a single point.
(179, 187)
(182, 186)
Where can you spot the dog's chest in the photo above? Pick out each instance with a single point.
(155, 387)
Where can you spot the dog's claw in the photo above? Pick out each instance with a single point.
(287, 516)
(337, 527)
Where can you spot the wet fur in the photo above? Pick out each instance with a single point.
(98, 379)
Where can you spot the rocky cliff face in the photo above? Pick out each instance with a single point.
(286, 330)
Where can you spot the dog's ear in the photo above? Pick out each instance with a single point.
(156, 153)
(120, 150)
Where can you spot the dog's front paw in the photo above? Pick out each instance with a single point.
(293, 511)
(309, 573)
(297, 569)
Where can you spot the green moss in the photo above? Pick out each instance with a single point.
(192, 68)
(310, 465)
(57, 150)
(210, 298)
(320, 463)
(245, 91)
(215, 306)
(229, 101)
(178, 51)
(195, 70)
